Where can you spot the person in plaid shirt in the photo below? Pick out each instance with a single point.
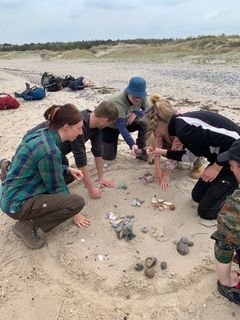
(34, 191)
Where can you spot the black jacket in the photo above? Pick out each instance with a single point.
(203, 133)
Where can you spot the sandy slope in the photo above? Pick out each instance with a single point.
(65, 280)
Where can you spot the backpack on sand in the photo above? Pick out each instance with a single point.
(52, 83)
(31, 94)
(76, 84)
(8, 102)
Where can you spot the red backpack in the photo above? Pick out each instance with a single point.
(8, 102)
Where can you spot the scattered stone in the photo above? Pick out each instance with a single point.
(172, 207)
(122, 185)
(138, 266)
(182, 248)
(123, 228)
(163, 265)
(136, 202)
(150, 262)
(186, 241)
(111, 216)
(149, 272)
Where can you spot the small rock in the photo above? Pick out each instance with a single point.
(138, 266)
(182, 248)
(172, 207)
(149, 273)
(122, 185)
(163, 265)
(150, 262)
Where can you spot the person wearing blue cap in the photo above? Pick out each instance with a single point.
(227, 236)
(131, 104)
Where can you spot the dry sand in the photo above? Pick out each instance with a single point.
(65, 279)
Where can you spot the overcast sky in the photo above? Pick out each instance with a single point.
(25, 21)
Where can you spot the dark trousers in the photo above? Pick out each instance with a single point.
(211, 195)
(110, 135)
(49, 210)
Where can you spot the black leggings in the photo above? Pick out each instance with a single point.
(211, 195)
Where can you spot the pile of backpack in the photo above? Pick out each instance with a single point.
(54, 83)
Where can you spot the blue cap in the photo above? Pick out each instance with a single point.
(136, 87)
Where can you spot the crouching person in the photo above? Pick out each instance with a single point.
(227, 236)
(34, 191)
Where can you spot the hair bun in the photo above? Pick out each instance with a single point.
(155, 98)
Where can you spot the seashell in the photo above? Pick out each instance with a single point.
(167, 203)
(149, 273)
(160, 200)
(160, 208)
(138, 266)
(165, 206)
(140, 200)
(138, 203)
(134, 203)
(154, 200)
(163, 265)
(150, 262)
(182, 248)
(172, 207)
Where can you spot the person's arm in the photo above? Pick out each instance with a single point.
(96, 142)
(94, 192)
(211, 172)
(122, 127)
(103, 182)
(79, 153)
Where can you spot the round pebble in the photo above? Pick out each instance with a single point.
(149, 272)
(182, 248)
(163, 265)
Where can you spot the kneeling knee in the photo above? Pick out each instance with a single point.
(206, 213)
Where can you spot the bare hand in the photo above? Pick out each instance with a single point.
(95, 193)
(211, 172)
(134, 149)
(106, 183)
(81, 221)
(76, 173)
(165, 182)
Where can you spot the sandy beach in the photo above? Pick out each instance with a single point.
(88, 274)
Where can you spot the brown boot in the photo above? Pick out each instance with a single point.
(29, 235)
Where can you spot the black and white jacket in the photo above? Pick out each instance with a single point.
(202, 133)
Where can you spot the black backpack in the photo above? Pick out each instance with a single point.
(52, 83)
